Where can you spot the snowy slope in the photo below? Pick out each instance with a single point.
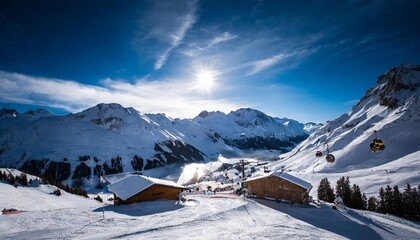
(392, 108)
(201, 217)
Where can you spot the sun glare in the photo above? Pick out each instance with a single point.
(205, 80)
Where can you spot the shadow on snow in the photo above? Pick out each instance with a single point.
(142, 208)
(348, 224)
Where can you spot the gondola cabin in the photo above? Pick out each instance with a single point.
(330, 158)
(377, 145)
(280, 186)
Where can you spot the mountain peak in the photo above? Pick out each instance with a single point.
(250, 114)
(104, 109)
(8, 112)
(204, 113)
(40, 112)
(394, 86)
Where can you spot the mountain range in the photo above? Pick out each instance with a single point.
(109, 138)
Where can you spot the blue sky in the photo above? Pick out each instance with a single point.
(306, 60)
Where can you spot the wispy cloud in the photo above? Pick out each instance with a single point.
(226, 36)
(195, 49)
(168, 23)
(261, 65)
(174, 97)
(177, 37)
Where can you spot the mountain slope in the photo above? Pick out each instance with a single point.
(109, 138)
(391, 108)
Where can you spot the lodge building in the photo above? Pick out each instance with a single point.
(137, 188)
(279, 186)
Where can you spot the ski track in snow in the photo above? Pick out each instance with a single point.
(203, 217)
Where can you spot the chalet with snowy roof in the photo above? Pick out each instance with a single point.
(279, 186)
(137, 188)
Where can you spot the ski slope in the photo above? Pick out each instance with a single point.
(200, 217)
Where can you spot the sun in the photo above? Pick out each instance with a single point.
(205, 80)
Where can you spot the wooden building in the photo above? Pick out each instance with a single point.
(137, 188)
(279, 186)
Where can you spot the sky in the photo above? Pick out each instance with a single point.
(305, 60)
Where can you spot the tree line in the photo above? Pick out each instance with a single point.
(405, 204)
(22, 180)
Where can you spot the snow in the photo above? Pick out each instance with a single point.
(293, 179)
(286, 177)
(131, 185)
(112, 178)
(201, 217)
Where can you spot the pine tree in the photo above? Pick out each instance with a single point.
(343, 190)
(388, 199)
(396, 202)
(356, 198)
(372, 204)
(364, 198)
(408, 202)
(11, 179)
(2, 176)
(325, 192)
(23, 179)
(381, 206)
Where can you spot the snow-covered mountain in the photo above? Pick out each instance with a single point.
(109, 138)
(392, 108)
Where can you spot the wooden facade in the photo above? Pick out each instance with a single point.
(151, 193)
(276, 188)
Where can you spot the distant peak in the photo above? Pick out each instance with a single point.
(110, 107)
(39, 112)
(204, 114)
(102, 106)
(248, 112)
(8, 112)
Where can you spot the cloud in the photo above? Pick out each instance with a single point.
(261, 65)
(171, 26)
(226, 36)
(174, 97)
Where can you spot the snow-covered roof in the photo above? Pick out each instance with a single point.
(131, 185)
(113, 178)
(302, 183)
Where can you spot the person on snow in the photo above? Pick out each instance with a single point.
(180, 197)
(338, 201)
